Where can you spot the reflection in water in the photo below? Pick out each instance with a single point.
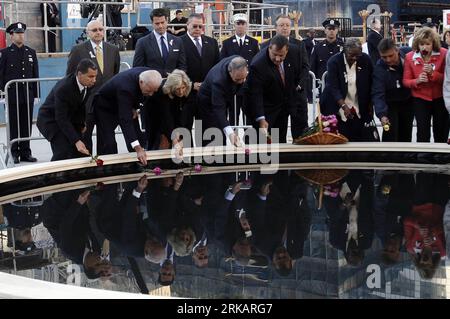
(295, 234)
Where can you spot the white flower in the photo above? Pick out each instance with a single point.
(234, 40)
(92, 55)
(171, 42)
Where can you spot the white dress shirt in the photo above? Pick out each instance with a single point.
(158, 40)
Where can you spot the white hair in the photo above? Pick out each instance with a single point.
(151, 77)
(92, 22)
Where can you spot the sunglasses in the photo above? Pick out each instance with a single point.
(197, 26)
(241, 22)
(95, 30)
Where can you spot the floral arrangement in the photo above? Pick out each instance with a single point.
(329, 125)
(324, 131)
(95, 159)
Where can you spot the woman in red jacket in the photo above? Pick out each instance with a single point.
(424, 74)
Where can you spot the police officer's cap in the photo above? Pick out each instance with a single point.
(331, 23)
(17, 27)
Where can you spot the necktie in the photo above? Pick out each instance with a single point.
(164, 50)
(240, 42)
(99, 55)
(199, 47)
(83, 94)
(281, 70)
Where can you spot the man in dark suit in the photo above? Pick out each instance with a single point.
(160, 50)
(202, 53)
(19, 61)
(243, 45)
(240, 44)
(107, 59)
(373, 39)
(66, 216)
(347, 92)
(215, 98)
(299, 118)
(62, 117)
(116, 103)
(272, 86)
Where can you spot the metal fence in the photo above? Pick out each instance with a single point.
(217, 21)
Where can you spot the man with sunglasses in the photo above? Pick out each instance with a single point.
(104, 55)
(202, 53)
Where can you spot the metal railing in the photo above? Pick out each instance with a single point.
(14, 85)
(12, 12)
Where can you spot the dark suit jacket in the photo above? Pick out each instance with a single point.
(118, 97)
(147, 54)
(199, 66)
(216, 94)
(119, 222)
(373, 39)
(68, 223)
(303, 59)
(63, 111)
(309, 45)
(266, 94)
(336, 87)
(231, 47)
(111, 62)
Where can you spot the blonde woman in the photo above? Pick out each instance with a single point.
(168, 108)
(424, 74)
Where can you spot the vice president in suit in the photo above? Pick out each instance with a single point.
(116, 103)
(160, 50)
(62, 117)
(104, 55)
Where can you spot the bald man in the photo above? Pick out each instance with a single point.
(104, 55)
(116, 103)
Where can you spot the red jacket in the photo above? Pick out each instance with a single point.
(414, 66)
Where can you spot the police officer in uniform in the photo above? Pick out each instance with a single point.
(325, 49)
(19, 61)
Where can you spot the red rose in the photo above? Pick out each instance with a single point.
(99, 162)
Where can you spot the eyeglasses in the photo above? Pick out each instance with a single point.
(241, 22)
(197, 26)
(97, 29)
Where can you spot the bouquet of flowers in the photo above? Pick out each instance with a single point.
(324, 131)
